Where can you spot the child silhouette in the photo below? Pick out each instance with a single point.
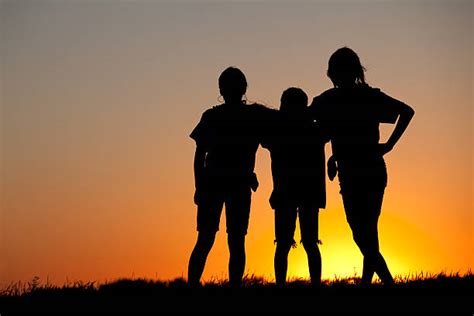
(296, 147)
(227, 139)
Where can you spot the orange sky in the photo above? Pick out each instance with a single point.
(98, 100)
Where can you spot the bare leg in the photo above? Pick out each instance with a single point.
(368, 271)
(373, 259)
(382, 270)
(314, 262)
(309, 223)
(281, 262)
(198, 258)
(362, 211)
(237, 258)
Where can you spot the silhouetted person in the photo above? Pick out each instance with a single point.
(227, 141)
(351, 113)
(297, 152)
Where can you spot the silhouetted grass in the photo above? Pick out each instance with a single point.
(419, 293)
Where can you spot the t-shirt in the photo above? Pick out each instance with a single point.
(296, 146)
(230, 135)
(351, 118)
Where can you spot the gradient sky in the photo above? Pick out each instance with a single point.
(98, 99)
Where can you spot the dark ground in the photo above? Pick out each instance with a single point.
(440, 294)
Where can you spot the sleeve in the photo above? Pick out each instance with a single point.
(200, 133)
(387, 108)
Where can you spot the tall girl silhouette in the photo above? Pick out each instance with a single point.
(350, 113)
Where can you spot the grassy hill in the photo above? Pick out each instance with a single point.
(441, 293)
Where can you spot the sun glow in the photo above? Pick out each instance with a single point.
(97, 166)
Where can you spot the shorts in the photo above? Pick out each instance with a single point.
(285, 224)
(362, 195)
(371, 178)
(236, 199)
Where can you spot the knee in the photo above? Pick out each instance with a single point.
(205, 241)
(369, 251)
(359, 238)
(283, 248)
(371, 257)
(364, 246)
(285, 243)
(236, 241)
(310, 245)
(367, 244)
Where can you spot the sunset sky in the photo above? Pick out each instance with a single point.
(98, 99)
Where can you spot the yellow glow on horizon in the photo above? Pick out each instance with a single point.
(96, 160)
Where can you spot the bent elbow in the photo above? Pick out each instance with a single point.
(409, 112)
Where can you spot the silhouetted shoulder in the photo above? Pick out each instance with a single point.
(385, 107)
(202, 130)
(329, 93)
(215, 110)
(321, 103)
(258, 106)
(209, 113)
(262, 109)
(264, 115)
(263, 120)
(325, 97)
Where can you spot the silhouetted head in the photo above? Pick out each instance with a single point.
(293, 100)
(345, 69)
(232, 84)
